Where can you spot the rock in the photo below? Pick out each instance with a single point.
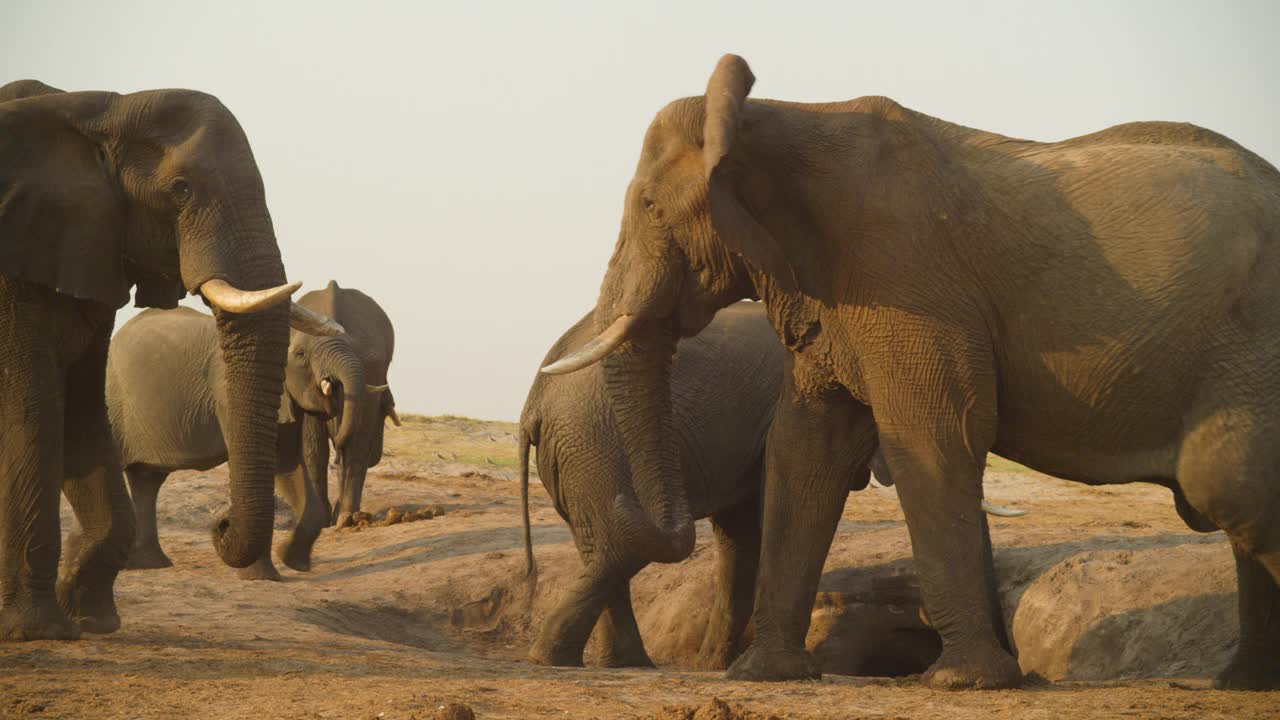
(455, 711)
(1164, 610)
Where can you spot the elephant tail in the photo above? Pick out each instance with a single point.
(530, 568)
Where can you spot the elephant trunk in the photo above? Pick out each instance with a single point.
(355, 465)
(336, 360)
(253, 349)
(653, 512)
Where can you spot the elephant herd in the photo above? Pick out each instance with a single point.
(1104, 309)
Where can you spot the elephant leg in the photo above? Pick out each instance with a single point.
(565, 632)
(1229, 471)
(144, 488)
(315, 460)
(814, 447)
(31, 410)
(300, 493)
(620, 641)
(1256, 665)
(936, 425)
(738, 558)
(93, 483)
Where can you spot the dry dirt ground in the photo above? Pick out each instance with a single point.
(1117, 609)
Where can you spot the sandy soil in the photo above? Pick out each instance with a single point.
(1118, 609)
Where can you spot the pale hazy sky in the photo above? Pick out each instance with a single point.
(464, 163)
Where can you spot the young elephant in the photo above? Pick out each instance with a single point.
(166, 399)
(357, 428)
(725, 384)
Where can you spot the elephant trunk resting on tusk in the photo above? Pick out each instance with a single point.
(227, 297)
(595, 350)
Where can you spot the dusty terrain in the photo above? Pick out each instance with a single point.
(1117, 608)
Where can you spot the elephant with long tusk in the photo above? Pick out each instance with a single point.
(1102, 308)
(154, 194)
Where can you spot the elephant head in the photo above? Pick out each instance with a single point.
(355, 366)
(672, 269)
(101, 192)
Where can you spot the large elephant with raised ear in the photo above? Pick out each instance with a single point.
(167, 403)
(1104, 309)
(355, 428)
(100, 193)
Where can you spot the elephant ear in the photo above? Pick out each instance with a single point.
(380, 427)
(62, 216)
(726, 98)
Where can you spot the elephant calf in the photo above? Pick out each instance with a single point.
(725, 384)
(167, 402)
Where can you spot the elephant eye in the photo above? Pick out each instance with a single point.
(180, 189)
(648, 204)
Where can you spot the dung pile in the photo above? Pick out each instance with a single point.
(391, 516)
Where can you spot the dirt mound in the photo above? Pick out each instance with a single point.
(1113, 614)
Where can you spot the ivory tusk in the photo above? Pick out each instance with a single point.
(391, 413)
(1001, 511)
(598, 347)
(225, 296)
(326, 386)
(377, 388)
(313, 323)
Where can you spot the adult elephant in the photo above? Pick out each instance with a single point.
(101, 192)
(1104, 309)
(725, 384)
(166, 401)
(356, 429)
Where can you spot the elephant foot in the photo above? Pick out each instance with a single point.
(295, 557)
(992, 669)
(555, 656)
(716, 656)
(626, 658)
(1250, 671)
(760, 665)
(148, 557)
(263, 569)
(92, 608)
(45, 621)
